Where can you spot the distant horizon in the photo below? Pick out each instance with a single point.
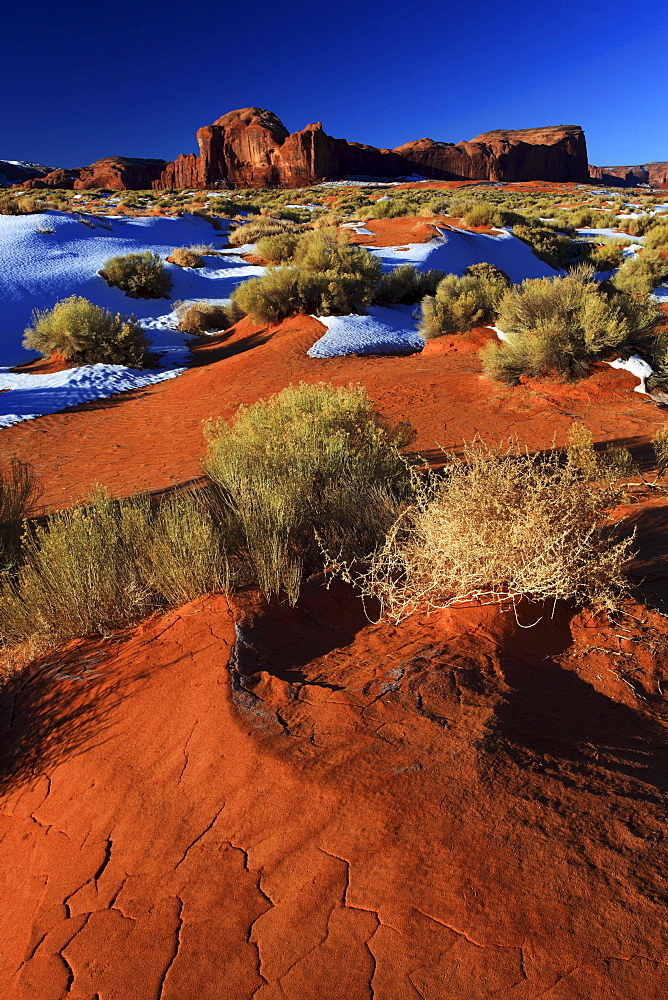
(79, 86)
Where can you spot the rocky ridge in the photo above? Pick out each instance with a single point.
(116, 173)
(655, 174)
(252, 148)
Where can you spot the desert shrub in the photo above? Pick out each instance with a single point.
(186, 257)
(278, 248)
(657, 239)
(213, 220)
(87, 334)
(482, 214)
(104, 564)
(638, 276)
(312, 467)
(639, 226)
(460, 206)
(607, 257)
(460, 303)
(221, 206)
(611, 464)
(554, 248)
(499, 527)
(18, 494)
(327, 277)
(139, 275)
(201, 316)
(405, 284)
(559, 326)
(8, 204)
(251, 232)
(660, 446)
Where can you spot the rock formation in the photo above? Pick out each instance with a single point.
(654, 174)
(17, 171)
(119, 173)
(61, 178)
(252, 148)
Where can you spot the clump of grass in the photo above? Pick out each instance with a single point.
(657, 238)
(616, 461)
(660, 446)
(103, 565)
(186, 257)
(258, 227)
(84, 333)
(460, 303)
(312, 467)
(18, 494)
(499, 527)
(202, 316)
(554, 248)
(139, 275)
(559, 326)
(405, 285)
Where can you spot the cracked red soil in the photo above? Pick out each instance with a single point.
(454, 807)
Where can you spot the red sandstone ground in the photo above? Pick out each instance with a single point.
(235, 801)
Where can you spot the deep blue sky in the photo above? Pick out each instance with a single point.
(140, 79)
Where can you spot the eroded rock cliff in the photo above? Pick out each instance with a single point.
(252, 148)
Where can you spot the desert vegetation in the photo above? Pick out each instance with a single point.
(460, 303)
(326, 276)
(201, 316)
(561, 325)
(139, 275)
(498, 526)
(105, 564)
(186, 257)
(83, 333)
(314, 466)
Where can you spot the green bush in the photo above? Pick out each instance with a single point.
(460, 303)
(558, 326)
(86, 334)
(327, 277)
(103, 565)
(405, 284)
(278, 248)
(312, 467)
(638, 276)
(139, 275)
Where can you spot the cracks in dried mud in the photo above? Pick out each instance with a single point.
(177, 946)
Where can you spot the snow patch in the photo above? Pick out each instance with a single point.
(32, 396)
(636, 366)
(457, 249)
(382, 331)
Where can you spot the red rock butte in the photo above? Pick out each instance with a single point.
(252, 148)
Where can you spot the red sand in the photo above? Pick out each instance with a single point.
(452, 809)
(151, 439)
